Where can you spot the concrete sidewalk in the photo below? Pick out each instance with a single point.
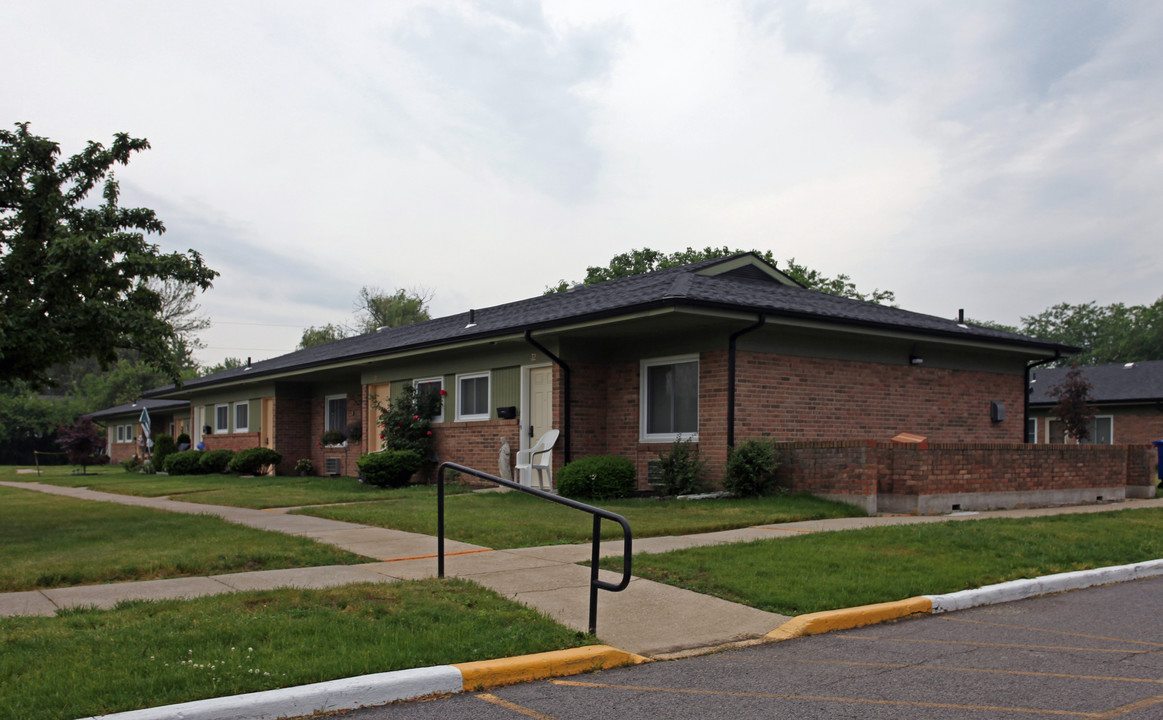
(647, 618)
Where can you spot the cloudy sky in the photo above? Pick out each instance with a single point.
(997, 156)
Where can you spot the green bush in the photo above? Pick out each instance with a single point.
(131, 464)
(215, 461)
(391, 468)
(598, 477)
(751, 467)
(183, 439)
(681, 469)
(163, 445)
(186, 462)
(252, 460)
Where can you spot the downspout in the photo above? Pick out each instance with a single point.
(731, 377)
(565, 382)
(1026, 394)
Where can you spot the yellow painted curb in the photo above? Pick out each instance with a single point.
(822, 622)
(523, 668)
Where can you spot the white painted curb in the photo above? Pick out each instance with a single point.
(1046, 585)
(345, 694)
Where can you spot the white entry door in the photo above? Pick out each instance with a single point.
(538, 415)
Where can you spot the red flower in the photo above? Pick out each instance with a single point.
(429, 432)
(382, 436)
(443, 392)
(415, 417)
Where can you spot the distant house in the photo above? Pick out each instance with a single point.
(718, 351)
(1128, 403)
(123, 424)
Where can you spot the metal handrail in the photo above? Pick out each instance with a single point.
(598, 513)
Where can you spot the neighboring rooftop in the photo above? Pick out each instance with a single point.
(1119, 382)
(741, 282)
(138, 406)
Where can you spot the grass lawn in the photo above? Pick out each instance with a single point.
(250, 492)
(831, 570)
(513, 519)
(52, 541)
(92, 662)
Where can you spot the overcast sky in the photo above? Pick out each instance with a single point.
(995, 156)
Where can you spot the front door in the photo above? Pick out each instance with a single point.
(539, 412)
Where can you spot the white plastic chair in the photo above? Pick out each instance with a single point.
(539, 459)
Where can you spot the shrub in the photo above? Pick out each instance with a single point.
(215, 461)
(163, 445)
(390, 468)
(186, 462)
(751, 467)
(408, 422)
(598, 477)
(304, 467)
(681, 469)
(252, 460)
(183, 439)
(131, 464)
(81, 442)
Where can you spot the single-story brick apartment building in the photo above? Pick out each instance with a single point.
(123, 427)
(1127, 399)
(719, 351)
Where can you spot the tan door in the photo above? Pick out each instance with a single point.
(268, 422)
(379, 397)
(540, 402)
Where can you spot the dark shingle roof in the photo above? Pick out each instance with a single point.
(136, 408)
(1108, 383)
(677, 286)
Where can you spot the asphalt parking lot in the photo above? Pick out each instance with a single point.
(1095, 653)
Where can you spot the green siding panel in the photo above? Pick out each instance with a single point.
(506, 389)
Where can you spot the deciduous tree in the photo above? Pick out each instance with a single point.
(646, 260)
(76, 279)
(1073, 395)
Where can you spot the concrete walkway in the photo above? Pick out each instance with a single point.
(647, 618)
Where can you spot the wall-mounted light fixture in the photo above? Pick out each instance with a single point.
(915, 359)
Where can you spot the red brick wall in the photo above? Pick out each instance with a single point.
(317, 412)
(1138, 428)
(864, 468)
(478, 444)
(232, 441)
(293, 429)
(798, 398)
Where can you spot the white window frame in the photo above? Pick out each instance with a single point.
(242, 427)
(120, 433)
(439, 417)
(474, 417)
(1094, 428)
(643, 400)
(1034, 420)
(218, 416)
(327, 412)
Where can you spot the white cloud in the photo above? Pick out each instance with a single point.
(1001, 156)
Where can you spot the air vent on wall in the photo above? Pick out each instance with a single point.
(333, 465)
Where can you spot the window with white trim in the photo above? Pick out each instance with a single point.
(1032, 430)
(1101, 431)
(431, 386)
(241, 417)
(120, 433)
(336, 416)
(669, 401)
(221, 418)
(472, 396)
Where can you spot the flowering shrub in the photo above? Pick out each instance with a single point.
(333, 437)
(304, 467)
(408, 422)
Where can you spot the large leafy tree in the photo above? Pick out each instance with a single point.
(374, 309)
(646, 260)
(78, 279)
(1114, 333)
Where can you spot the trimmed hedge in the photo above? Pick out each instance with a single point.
(751, 467)
(215, 461)
(598, 477)
(252, 460)
(163, 447)
(391, 468)
(186, 462)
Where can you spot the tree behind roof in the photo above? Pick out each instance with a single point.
(646, 260)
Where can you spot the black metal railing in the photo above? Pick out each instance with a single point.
(598, 513)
